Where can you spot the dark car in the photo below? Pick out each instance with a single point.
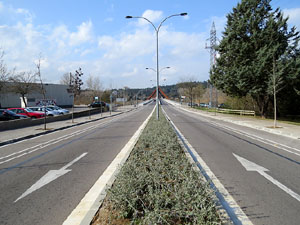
(97, 104)
(9, 115)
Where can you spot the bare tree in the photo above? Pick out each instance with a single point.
(275, 85)
(38, 73)
(24, 83)
(188, 85)
(65, 79)
(199, 92)
(4, 73)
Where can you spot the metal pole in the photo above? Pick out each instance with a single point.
(100, 105)
(157, 77)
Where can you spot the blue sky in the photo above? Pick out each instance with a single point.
(95, 36)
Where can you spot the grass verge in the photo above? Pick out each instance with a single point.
(157, 185)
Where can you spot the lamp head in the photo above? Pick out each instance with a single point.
(128, 17)
(183, 14)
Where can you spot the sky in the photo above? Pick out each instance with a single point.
(95, 36)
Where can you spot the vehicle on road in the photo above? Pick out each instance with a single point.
(27, 112)
(59, 109)
(98, 104)
(9, 115)
(49, 112)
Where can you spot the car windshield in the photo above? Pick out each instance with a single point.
(10, 112)
(29, 110)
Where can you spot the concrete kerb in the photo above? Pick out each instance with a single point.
(229, 211)
(278, 132)
(57, 129)
(90, 204)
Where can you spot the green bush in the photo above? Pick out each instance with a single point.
(157, 184)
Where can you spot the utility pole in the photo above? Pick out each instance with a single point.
(212, 48)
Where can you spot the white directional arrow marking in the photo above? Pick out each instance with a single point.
(50, 176)
(251, 166)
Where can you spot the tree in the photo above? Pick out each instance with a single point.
(199, 92)
(65, 79)
(24, 84)
(253, 37)
(38, 73)
(76, 82)
(188, 86)
(4, 73)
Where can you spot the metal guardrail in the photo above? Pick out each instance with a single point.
(235, 111)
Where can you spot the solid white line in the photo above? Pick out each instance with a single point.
(280, 185)
(89, 205)
(233, 209)
(40, 146)
(251, 166)
(254, 137)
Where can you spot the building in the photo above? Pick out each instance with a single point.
(55, 94)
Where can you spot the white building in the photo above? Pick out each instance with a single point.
(55, 93)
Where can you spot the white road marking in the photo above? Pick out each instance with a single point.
(236, 214)
(252, 136)
(251, 166)
(40, 146)
(89, 205)
(50, 176)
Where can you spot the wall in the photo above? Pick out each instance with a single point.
(58, 92)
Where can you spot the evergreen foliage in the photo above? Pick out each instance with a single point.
(255, 38)
(157, 184)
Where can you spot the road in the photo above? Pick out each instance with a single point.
(267, 191)
(44, 178)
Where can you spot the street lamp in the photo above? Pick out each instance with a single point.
(157, 64)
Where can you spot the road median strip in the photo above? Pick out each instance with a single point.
(158, 185)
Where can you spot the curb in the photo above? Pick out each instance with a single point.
(269, 130)
(85, 211)
(229, 211)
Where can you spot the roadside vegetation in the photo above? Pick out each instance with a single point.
(158, 185)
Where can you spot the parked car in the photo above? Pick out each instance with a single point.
(49, 112)
(193, 104)
(203, 105)
(98, 104)
(27, 112)
(9, 115)
(59, 109)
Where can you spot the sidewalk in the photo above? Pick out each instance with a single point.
(10, 136)
(285, 129)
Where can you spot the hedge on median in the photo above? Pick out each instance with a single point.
(157, 184)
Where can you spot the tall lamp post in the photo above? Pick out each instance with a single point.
(157, 64)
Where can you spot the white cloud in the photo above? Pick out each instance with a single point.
(153, 16)
(83, 34)
(294, 16)
(119, 60)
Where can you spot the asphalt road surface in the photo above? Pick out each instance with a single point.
(268, 196)
(44, 178)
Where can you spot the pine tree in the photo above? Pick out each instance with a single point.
(255, 36)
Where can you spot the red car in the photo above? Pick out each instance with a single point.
(27, 112)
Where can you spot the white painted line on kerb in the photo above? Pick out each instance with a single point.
(230, 205)
(89, 205)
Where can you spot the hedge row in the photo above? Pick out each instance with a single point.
(157, 184)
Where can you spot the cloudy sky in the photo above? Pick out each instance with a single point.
(95, 36)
